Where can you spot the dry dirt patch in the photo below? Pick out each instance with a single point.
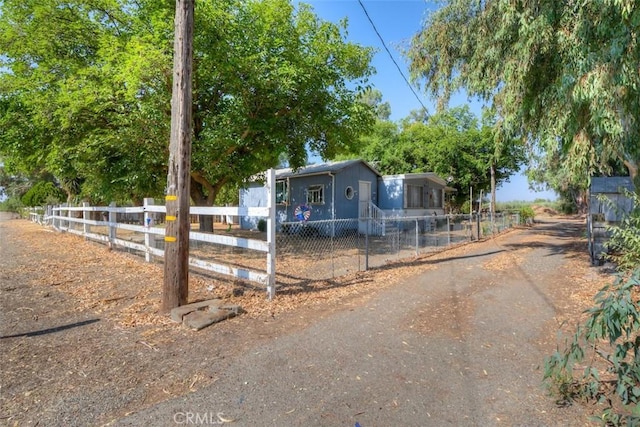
(132, 355)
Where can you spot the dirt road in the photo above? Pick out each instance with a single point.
(456, 339)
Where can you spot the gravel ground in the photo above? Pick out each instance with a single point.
(459, 339)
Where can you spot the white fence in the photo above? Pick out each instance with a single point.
(100, 223)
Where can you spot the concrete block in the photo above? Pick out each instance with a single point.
(201, 319)
(178, 313)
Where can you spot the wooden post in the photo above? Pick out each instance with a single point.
(113, 218)
(61, 214)
(148, 237)
(70, 224)
(86, 228)
(417, 238)
(175, 291)
(271, 233)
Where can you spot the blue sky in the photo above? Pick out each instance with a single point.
(397, 21)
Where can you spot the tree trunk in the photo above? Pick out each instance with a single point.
(633, 173)
(204, 194)
(580, 198)
(206, 223)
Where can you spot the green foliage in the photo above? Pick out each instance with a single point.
(566, 207)
(86, 90)
(451, 143)
(12, 204)
(608, 343)
(262, 225)
(465, 207)
(527, 215)
(373, 99)
(563, 75)
(624, 240)
(42, 193)
(608, 346)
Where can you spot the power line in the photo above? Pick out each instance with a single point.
(390, 55)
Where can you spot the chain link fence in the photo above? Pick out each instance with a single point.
(313, 250)
(321, 250)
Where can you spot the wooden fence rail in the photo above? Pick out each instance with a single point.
(78, 220)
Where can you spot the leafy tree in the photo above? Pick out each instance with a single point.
(563, 75)
(93, 78)
(69, 97)
(284, 89)
(12, 185)
(373, 98)
(420, 115)
(42, 193)
(451, 144)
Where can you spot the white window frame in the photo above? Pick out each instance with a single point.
(315, 194)
(282, 197)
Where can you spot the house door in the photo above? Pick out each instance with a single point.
(364, 204)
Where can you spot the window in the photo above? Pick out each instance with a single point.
(282, 192)
(414, 196)
(348, 192)
(315, 194)
(435, 198)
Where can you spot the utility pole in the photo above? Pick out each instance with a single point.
(175, 291)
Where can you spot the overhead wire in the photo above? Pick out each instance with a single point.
(364, 9)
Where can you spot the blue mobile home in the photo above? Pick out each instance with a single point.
(335, 190)
(350, 189)
(411, 195)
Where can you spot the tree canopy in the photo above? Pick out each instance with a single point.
(86, 89)
(564, 75)
(452, 143)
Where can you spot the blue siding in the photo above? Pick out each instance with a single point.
(255, 196)
(391, 197)
(340, 208)
(298, 196)
(351, 177)
(391, 194)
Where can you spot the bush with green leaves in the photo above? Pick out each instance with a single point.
(526, 215)
(12, 204)
(41, 193)
(623, 246)
(601, 362)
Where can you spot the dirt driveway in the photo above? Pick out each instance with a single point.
(456, 338)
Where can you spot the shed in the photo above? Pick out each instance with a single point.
(607, 204)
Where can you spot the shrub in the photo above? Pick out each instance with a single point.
(464, 209)
(607, 344)
(624, 241)
(262, 225)
(42, 192)
(12, 204)
(526, 215)
(567, 207)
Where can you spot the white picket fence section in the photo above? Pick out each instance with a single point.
(64, 218)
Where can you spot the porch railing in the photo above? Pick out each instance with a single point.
(376, 216)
